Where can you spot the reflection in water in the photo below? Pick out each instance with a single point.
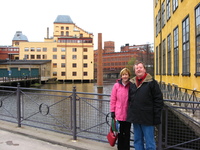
(80, 87)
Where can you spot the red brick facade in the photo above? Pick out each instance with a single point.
(113, 62)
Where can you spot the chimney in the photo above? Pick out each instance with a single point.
(99, 62)
(47, 32)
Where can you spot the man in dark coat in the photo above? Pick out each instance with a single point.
(145, 107)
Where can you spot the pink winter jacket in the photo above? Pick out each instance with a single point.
(119, 100)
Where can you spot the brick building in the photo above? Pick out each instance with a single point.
(113, 61)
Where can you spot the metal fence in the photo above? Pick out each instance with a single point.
(86, 115)
(181, 118)
(70, 112)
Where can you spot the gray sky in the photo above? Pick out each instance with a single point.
(127, 21)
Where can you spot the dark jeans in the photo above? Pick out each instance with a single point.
(124, 136)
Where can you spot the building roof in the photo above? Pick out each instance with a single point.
(63, 19)
(19, 36)
(24, 62)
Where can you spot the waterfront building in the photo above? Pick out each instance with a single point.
(70, 51)
(113, 61)
(177, 42)
(10, 52)
(25, 69)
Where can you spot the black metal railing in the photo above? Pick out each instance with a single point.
(86, 115)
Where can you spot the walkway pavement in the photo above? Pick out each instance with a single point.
(28, 138)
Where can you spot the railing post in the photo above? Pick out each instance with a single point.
(160, 135)
(18, 106)
(74, 112)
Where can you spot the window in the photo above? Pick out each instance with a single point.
(67, 33)
(164, 57)
(156, 2)
(26, 49)
(159, 60)
(85, 65)
(54, 49)
(73, 73)
(63, 65)
(38, 49)
(168, 9)
(174, 5)
(54, 73)
(74, 65)
(32, 56)
(44, 56)
(38, 56)
(62, 28)
(197, 26)
(62, 49)
(169, 54)
(54, 65)
(163, 14)
(44, 49)
(32, 49)
(158, 21)
(176, 52)
(67, 28)
(186, 47)
(157, 65)
(74, 56)
(156, 25)
(26, 57)
(62, 33)
(85, 57)
(54, 56)
(85, 73)
(85, 49)
(74, 49)
(63, 73)
(62, 56)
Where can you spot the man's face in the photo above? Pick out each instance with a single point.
(139, 70)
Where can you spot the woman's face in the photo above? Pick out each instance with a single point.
(125, 77)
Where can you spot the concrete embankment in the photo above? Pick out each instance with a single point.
(29, 138)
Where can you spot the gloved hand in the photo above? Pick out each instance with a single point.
(113, 115)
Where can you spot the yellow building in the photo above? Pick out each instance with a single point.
(177, 42)
(70, 50)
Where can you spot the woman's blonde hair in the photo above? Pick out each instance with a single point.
(125, 70)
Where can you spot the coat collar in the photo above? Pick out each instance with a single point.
(148, 78)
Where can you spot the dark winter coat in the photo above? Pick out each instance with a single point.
(145, 102)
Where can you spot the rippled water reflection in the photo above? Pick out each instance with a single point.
(81, 87)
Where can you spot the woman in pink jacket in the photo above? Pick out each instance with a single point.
(119, 107)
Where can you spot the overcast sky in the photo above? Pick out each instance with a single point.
(127, 21)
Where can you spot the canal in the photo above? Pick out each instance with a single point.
(80, 87)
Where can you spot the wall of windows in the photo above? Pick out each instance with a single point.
(177, 42)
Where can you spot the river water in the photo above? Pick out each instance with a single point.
(80, 87)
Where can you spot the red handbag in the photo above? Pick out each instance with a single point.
(112, 136)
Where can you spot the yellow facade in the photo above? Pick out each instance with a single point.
(70, 49)
(173, 20)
